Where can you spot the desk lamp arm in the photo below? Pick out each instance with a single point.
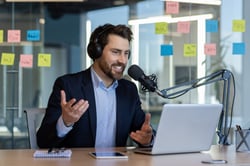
(222, 75)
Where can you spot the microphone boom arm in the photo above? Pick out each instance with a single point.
(222, 75)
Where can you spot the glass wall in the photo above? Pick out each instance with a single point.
(173, 42)
(172, 46)
(179, 43)
(22, 30)
(176, 42)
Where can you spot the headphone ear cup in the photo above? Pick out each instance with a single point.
(98, 50)
(94, 50)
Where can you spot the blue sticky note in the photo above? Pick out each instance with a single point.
(33, 35)
(211, 25)
(166, 50)
(239, 48)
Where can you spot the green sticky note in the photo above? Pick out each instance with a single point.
(239, 26)
(190, 50)
(44, 60)
(7, 59)
(161, 28)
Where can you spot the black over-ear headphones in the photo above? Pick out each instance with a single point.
(94, 47)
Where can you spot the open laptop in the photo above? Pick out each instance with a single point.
(185, 128)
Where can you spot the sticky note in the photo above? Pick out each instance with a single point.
(183, 27)
(211, 25)
(239, 48)
(1, 35)
(14, 36)
(166, 50)
(33, 35)
(26, 60)
(44, 60)
(210, 49)
(161, 28)
(7, 59)
(190, 50)
(239, 26)
(172, 7)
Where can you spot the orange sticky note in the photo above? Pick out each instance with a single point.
(183, 27)
(172, 7)
(190, 50)
(26, 60)
(210, 49)
(1, 35)
(161, 28)
(7, 59)
(14, 36)
(44, 60)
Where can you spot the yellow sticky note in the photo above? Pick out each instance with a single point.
(190, 49)
(44, 60)
(239, 25)
(161, 28)
(7, 59)
(1, 35)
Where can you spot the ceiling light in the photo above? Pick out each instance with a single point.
(205, 2)
(45, 0)
(169, 19)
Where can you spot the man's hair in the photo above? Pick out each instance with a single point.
(99, 38)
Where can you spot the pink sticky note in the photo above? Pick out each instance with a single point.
(172, 7)
(26, 60)
(14, 36)
(183, 27)
(210, 49)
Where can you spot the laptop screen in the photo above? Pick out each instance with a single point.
(186, 128)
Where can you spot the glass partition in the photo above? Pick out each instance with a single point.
(177, 46)
(19, 85)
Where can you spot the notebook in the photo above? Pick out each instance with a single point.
(185, 128)
(59, 154)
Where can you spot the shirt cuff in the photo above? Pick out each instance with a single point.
(61, 128)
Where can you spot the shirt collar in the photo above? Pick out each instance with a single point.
(97, 81)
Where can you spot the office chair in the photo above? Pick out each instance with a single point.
(34, 117)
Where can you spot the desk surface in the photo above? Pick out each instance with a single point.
(80, 157)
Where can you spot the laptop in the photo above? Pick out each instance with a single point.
(185, 128)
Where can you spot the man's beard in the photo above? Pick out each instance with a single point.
(108, 70)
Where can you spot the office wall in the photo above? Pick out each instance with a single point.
(66, 39)
(245, 79)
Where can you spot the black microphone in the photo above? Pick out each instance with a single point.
(148, 82)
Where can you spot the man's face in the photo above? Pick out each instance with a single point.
(114, 58)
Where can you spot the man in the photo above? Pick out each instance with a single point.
(96, 107)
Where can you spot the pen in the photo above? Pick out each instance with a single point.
(242, 136)
(238, 128)
(55, 150)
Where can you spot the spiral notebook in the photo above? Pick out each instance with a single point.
(58, 154)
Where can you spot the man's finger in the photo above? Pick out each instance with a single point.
(147, 119)
(63, 97)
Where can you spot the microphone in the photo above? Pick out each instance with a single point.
(149, 83)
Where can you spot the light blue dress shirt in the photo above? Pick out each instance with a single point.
(105, 99)
(105, 111)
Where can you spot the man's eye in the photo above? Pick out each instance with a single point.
(115, 52)
(126, 53)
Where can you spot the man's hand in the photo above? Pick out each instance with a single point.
(143, 136)
(72, 110)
